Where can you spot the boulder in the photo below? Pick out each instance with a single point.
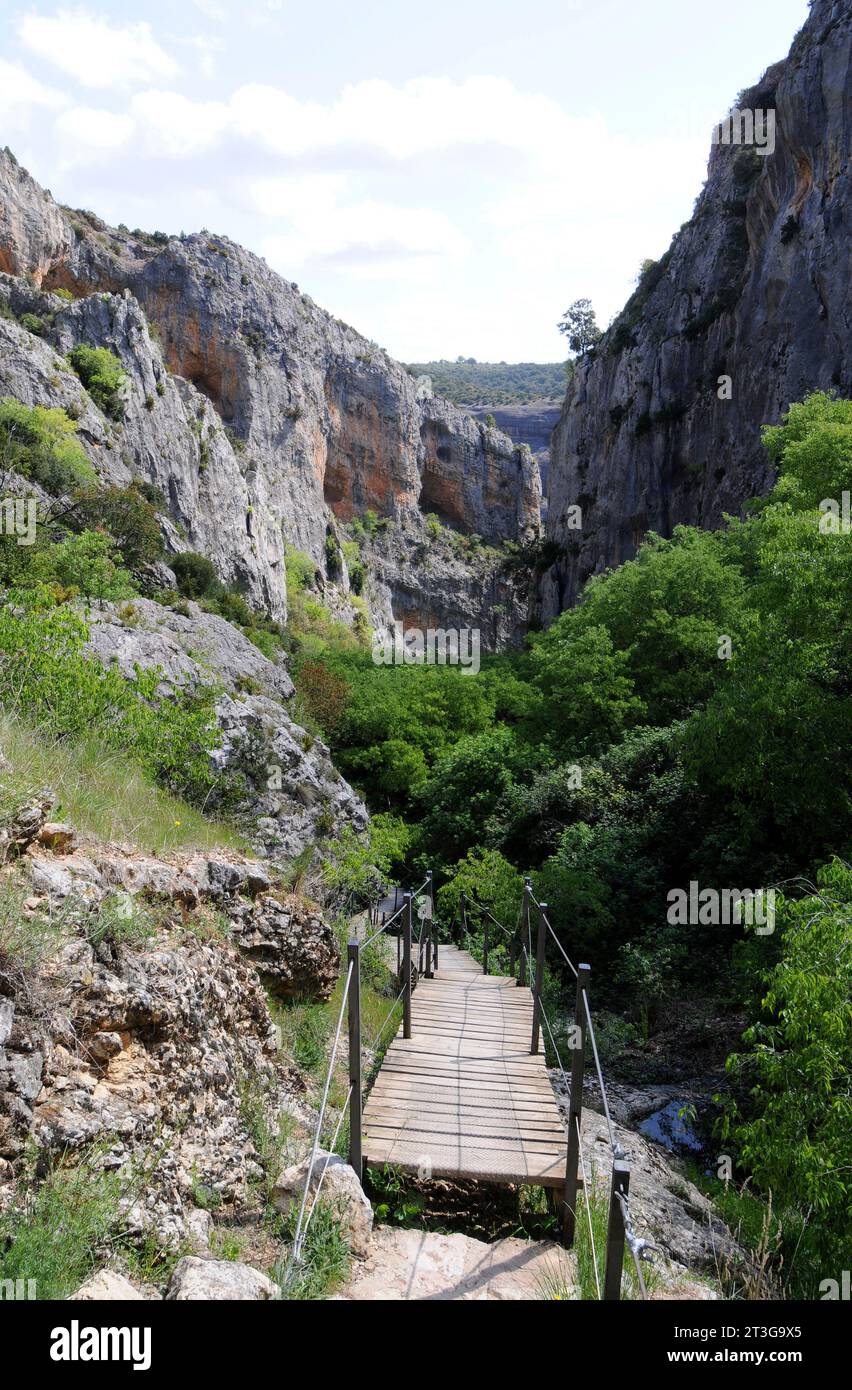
(108, 1287)
(197, 1280)
(340, 1188)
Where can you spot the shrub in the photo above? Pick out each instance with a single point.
(33, 324)
(45, 674)
(103, 377)
(40, 444)
(195, 574)
(86, 564)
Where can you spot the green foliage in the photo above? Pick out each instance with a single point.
(41, 446)
(56, 1230)
(129, 514)
(45, 674)
(85, 564)
(103, 376)
(488, 878)
(794, 1136)
(195, 574)
(471, 383)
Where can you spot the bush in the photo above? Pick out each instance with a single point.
(45, 675)
(103, 377)
(86, 564)
(40, 444)
(195, 574)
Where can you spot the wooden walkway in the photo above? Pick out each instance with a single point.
(463, 1097)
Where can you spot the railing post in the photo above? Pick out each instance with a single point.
(575, 1108)
(354, 1001)
(433, 934)
(615, 1231)
(525, 922)
(539, 978)
(406, 967)
(485, 933)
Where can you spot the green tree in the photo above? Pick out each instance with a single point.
(580, 327)
(88, 564)
(794, 1136)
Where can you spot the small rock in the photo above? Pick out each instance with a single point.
(25, 1070)
(103, 1046)
(107, 1286)
(340, 1188)
(199, 1229)
(7, 1014)
(57, 836)
(197, 1280)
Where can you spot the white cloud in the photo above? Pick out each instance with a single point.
(84, 131)
(20, 92)
(365, 237)
(95, 52)
(176, 126)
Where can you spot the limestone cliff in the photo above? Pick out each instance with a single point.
(261, 417)
(756, 287)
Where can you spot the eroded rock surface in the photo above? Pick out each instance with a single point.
(755, 287)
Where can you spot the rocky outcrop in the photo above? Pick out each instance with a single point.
(261, 418)
(292, 947)
(531, 424)
(143, 1051)
(290, 791)
(755, 288)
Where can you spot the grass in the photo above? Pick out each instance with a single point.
(59, 1231)
(104, 793)
(785, 1258)
(307, 1029)
(325, 1258)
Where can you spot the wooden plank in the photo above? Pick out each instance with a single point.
(464, 1095)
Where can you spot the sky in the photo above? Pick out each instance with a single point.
(447, 178)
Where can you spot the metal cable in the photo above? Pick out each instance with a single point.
(383, 928)
(565, 956)
(553, 1041)
(371, 1046)
(341, 1117)
(299, 1236)
(586, 1191)
(616, 1148)
(635, 1244)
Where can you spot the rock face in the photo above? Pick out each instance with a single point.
(261, 418)
(292, 948)
(531, 424)
(755, 287)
